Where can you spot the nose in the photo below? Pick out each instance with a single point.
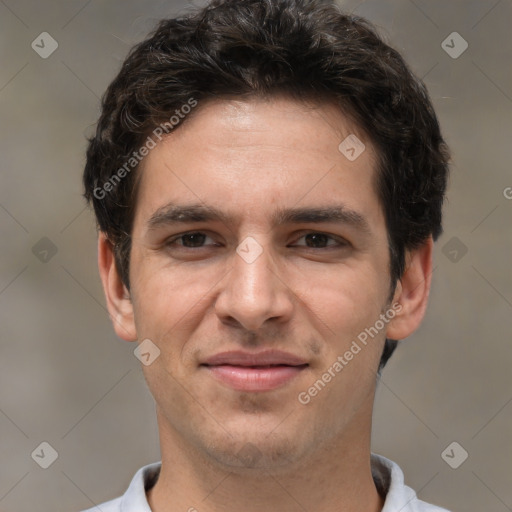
(254, 292)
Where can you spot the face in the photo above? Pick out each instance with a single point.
(259, 257)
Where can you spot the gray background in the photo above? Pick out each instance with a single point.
(66, 379)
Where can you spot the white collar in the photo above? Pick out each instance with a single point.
(387, 475)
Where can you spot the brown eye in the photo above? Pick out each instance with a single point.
(317, 239)
(321, 241)
(195, 239)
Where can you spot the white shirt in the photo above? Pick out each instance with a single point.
(387, 475)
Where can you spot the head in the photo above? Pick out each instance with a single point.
(193, 113)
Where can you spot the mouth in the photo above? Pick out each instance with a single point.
(255, 372)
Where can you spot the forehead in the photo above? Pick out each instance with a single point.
(258, 153)
(312, 127)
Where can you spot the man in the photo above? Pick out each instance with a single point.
(268, 178)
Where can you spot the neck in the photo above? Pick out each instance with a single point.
(337, 478)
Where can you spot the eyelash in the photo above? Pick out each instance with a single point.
(340, 241)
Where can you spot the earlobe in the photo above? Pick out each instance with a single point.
(412, 292)
(118, 299)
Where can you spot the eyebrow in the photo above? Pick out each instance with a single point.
(173, 213)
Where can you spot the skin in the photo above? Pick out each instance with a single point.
(227, 450)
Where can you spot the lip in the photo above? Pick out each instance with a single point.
(264, 358)
(255, 372)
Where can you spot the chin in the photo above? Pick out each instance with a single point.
(257, 452)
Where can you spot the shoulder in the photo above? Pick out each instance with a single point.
(134, 499)
(108, 506)
(389, 480)
(422, 506)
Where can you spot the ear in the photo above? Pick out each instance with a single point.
(119, 303)
(412, 292)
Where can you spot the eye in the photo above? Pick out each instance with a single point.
(191, 240)
(313, 240)
(316, 240)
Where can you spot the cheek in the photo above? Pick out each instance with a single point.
(345, 300)
(168, 301)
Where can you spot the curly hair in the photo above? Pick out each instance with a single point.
(305, 49)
